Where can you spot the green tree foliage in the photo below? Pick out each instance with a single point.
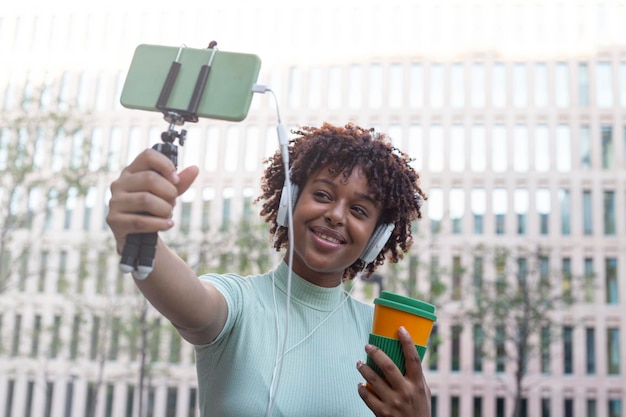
(44, 160)
(513, 297)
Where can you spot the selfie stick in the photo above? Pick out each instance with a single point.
(140, 248)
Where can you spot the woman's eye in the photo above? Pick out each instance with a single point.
(360, 211)
(321, 194)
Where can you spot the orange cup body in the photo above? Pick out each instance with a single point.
(387, 321)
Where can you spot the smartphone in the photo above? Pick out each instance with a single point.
(228, 90)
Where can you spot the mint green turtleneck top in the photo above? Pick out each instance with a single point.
(326, 336)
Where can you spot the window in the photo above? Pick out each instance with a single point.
(457, 274)
(211, 150)
(295, 87)
(498, 87)
(589, 281)
(17, 332)
(500, 207)
(622, 84)
(433, 347)
(355, 86)
(227, 196)
(543, 208)
(541, 85)
(437, 86)
(231, 152)
(55, 344)
(604, 83)
(455, 406)
(75, 338)
(70, 205)
(563, 149)
(192, 402)
(90, 202)
(500, 342)
(590, 345)
(609, 213)
(186, 208)
(615, 407)
(314, 92)
(500, 407)
(592, 407)
(335, 89)
(587, 213)
(478, 85)
(583, 84)
(610, 273)
(478, 149)
(499, 146)
(545, 342)
(542, 148)
(436, 149)
(208, 195)
(62, 279)
(520, 86)
(457, 209)
(478, 206)
(520, 148)
(613, 351)
(568, 407)
(416, 86)
(545, 407)
(457, 85)
(115, 149)
(608, 154)
(396, 86)
(110, 390)
(415, 146)
(457, 148)
(34, 346)
(172, 399)
(566, 210)
(115, 330)
(478, 341)
(585, 147)
(375, 89)
(94, 344)
(155, 339)
(455, 364)
(566, 273)
(435, 209)
(521, 205)
(43, 269)
(568, 350)
(561, 83)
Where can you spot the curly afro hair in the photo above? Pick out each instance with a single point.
(391, 179)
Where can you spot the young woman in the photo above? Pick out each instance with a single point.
(290, 342)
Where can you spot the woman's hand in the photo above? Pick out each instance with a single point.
(396, 394)
(144, 195)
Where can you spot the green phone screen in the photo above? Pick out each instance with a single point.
(228, 92)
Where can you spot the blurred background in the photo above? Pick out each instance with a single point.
(514, 113)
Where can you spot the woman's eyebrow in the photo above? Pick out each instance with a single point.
(362, 196)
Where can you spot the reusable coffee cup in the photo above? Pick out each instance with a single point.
(392, 311)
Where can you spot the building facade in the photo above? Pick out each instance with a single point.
(522, 148)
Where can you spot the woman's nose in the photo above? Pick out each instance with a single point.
(335, 214)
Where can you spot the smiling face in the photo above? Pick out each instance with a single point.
(333, 219)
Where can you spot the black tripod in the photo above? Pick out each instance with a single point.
(140, 248)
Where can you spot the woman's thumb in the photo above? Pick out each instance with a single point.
(187, 177)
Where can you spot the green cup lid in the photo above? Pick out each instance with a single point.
(408, 304)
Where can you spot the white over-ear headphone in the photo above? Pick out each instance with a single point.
(374, 245)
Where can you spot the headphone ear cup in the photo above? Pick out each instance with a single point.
(376, 242)
(282, 217)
